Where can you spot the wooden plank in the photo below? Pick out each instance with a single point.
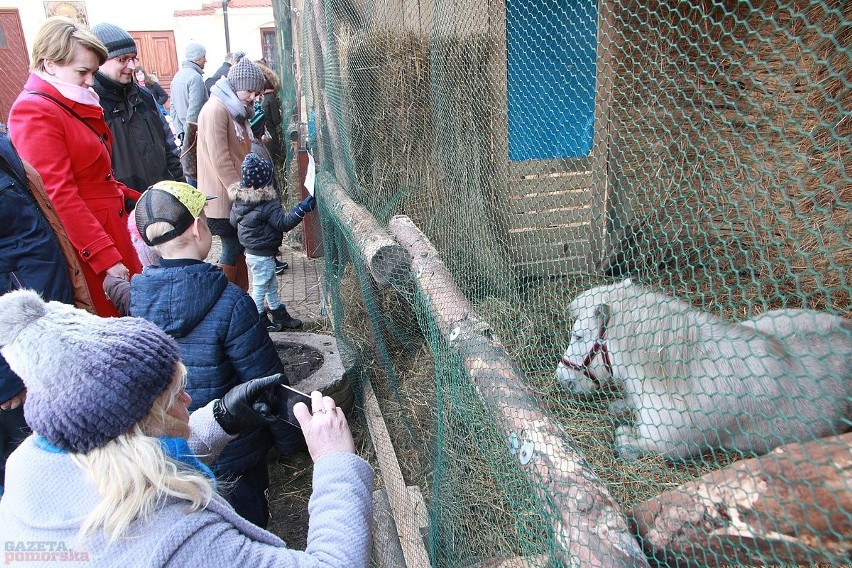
(519, 170)
(418, 15)
(468, 18)
(404, 513)
(551, 267)
(543, 197)
(497, 69)
(420, 511)
(551, 211)
(538, 561)
(557, 225)
(387, 550)
(602, 148)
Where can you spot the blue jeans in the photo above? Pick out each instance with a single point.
(263, 281)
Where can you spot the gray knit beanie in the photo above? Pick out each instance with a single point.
(246, 76)
(117, 41)
(195, 51)
(88, 379)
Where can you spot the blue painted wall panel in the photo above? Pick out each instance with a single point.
(552, 49)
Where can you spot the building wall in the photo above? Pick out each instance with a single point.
(244, 24)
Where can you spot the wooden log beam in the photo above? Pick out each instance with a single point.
(388, 262)
(589, 527)
(790, 507)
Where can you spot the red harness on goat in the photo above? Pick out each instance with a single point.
(599, 347)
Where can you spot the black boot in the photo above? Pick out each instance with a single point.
(280, 266)
(270, 324)
(281, 318)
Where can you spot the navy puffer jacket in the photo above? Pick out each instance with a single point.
(259, 219)
(30, 256)
(222, 341)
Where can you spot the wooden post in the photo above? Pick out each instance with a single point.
(590, 529)
(388, 262)
(339, 151)
(311, 228)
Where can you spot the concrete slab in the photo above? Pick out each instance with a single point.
(329, 378)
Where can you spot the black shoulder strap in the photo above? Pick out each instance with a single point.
(102, 138)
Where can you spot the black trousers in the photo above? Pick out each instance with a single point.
(247, 493)
(13, 430)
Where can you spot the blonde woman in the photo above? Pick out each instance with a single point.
(115, 472)
(57, 125)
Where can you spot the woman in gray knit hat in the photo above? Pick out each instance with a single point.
(224, 140)
(114, 473)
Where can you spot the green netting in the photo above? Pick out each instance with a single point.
(700, 149)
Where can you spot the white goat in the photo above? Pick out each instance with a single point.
(694, 382)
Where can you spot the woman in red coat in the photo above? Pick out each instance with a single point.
(57, 125)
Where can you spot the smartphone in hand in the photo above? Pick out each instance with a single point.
(287, 398)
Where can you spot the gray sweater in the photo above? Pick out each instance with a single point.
(48, 496)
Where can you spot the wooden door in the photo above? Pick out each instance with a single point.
(14, 61)
(157, 54)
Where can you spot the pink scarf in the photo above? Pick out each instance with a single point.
(76, 93)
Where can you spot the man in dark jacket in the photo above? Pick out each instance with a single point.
(143, 149)
(30, 257)
(231, 59)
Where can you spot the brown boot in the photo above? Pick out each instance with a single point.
(230, 271)
(242, 276)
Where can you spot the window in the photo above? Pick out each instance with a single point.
(268, 47)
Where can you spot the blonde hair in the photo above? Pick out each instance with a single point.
(160, 228)
(58, 37)
(272, 81)
(134, 476)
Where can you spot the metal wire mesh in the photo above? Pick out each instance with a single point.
(543, 149)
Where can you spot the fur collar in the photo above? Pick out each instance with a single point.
(237, 192)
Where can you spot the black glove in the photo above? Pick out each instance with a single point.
(235, 411)
(307, 205)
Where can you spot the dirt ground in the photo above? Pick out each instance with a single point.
(289, 492)
(290, 476)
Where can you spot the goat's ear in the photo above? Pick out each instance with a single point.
(602, 315)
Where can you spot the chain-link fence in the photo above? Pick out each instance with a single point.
(492, 172)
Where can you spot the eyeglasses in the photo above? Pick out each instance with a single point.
(125, 59)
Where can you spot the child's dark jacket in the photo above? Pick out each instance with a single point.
(222, 342)
(259, 219)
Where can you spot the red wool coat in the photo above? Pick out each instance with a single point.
(77, 172)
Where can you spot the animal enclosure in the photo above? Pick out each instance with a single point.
(483, 163)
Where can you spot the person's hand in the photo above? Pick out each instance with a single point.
(235, 411)
(307, 205)
(15, 401)
(119, 271)
(324, 426)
